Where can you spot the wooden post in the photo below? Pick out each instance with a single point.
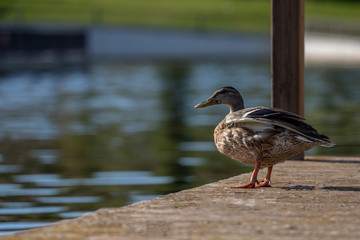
(287, 56)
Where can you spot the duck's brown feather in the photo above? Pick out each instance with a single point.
(269, 146)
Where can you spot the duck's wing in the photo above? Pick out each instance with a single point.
(263, 112)
(268, 115)
(277, 118)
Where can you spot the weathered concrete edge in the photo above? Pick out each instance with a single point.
(325, 205)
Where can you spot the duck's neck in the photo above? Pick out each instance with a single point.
(234, 109)
(236, 105)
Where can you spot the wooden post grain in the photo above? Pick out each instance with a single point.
(287, 56)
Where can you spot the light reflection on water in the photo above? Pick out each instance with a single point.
(20, 225)
(69, 199)
(101, 180)
(17, 191)
(11, 227)
(32, 210)
(77, 139)
(10, 168)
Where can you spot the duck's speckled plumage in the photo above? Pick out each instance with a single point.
(271, 146)
(267, 135)
(260, 136)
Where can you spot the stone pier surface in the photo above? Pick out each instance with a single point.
(318, 198)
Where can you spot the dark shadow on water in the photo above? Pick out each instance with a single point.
(341, 188)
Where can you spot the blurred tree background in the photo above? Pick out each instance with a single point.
(230, 15)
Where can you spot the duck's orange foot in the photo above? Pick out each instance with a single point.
(248, 185)
(265, 183)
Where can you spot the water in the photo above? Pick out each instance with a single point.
(74, 140)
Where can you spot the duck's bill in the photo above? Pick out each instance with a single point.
(207, 103)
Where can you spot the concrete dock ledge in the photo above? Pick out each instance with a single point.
(318, 198)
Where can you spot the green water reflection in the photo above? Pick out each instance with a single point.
(171, 128)
(332, 107)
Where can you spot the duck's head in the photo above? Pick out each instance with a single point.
(226, 95)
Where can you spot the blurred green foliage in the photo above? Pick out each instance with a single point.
(238, 15)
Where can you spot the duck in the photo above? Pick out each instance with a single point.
(260, 136)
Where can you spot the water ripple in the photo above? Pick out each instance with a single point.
(20, 225)
(30, 192)
(32, 210)
(119, 178)
(70, 200)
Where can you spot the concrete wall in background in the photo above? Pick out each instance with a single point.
(150, 44)
(50, 46)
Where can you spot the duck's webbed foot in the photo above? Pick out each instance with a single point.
(265, 183)
(254, 183)
(248, 185)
